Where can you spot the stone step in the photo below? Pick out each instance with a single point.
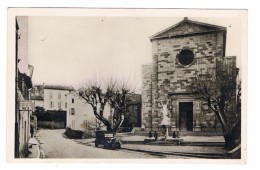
(200, 133)
(141, 133)
(183, 133)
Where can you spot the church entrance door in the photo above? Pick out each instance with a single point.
(186, 116)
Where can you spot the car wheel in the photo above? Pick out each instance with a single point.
(113, 145)
(118, 145)
(96, 144)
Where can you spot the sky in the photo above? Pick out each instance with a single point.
(72, 50)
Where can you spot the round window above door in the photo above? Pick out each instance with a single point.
(186, 57)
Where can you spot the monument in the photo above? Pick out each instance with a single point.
(165, 121)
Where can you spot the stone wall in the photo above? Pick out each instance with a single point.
(147, 71)
(166, 78)
(174, 77)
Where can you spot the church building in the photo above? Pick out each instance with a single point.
(180, 53)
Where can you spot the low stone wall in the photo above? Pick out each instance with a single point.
(51, 124)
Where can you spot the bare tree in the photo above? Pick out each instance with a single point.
(93, 124)
(222, 93)
(113, 94)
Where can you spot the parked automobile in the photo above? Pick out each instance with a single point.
(107, 140)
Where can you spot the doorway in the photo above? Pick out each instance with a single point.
(186, 116)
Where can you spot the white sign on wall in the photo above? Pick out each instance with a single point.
(25, 105)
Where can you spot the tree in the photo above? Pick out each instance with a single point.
(222, 93)
(117, 102)
(98, 97)
(93, 124)
(132, 117)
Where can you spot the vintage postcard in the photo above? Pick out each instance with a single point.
(127, 85)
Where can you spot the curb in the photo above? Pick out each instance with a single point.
(192, 155)
(40, 151)
(208, 144)
(219, 144)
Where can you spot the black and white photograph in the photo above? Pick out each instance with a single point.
(127, 84)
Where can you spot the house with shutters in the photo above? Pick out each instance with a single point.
(50, 97)
(80, 114)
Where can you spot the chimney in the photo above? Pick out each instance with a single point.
(186, 18)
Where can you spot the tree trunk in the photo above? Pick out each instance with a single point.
(231, 135)
(109, 128)
(103, 120)
(230, 141)
(230, 132)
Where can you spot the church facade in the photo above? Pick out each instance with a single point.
(180, 53)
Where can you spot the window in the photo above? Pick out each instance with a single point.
(72, 111)
(186, 57)
(59, 105)
(72, 100)
(85, 123)
(50, 95)
(59, 95)
(51, 104)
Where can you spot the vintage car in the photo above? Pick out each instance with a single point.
(107, 140)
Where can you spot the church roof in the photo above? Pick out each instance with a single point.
(187, 27)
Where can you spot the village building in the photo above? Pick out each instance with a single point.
(23, 86)
(55, 97)
(180, 53)
(49, 104)
(50, 97)
(36, 96)
(80, 114)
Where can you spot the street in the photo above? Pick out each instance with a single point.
(55, 145)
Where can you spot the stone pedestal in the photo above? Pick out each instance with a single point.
(165, 132)
(173, 128)
(197, 128)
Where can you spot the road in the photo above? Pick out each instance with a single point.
(55, 145)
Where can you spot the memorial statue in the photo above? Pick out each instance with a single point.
(166, 120)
